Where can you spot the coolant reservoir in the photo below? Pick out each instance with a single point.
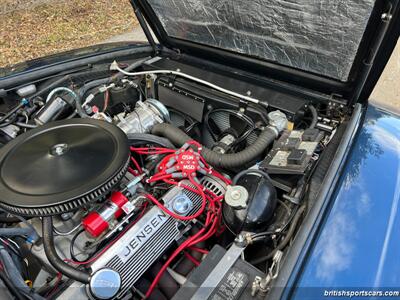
(250, 204)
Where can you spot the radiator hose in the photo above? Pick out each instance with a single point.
(15, 277)
(54, 259)
(218, 160)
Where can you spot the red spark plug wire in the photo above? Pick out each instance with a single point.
(176, 216)
(136, 164)
(192, 259)
(185, 163)
(190, 242)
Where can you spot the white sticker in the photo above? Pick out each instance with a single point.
(296, 134)
(308, 146)
(280, 158)
(128, 207)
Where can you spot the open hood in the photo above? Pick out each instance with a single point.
(328, 43)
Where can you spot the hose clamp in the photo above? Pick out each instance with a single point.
(277, 120)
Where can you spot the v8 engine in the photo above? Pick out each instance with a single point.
(149, 238)
(151, 184)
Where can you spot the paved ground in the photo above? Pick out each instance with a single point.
(387, 90)
(136, 35)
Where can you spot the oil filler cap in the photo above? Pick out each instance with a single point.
(105, 284)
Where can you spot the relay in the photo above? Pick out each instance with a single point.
(292, 153)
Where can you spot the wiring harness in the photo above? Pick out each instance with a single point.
(185, 163)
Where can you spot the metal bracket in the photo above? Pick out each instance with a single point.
(243, 104)
(262, 284)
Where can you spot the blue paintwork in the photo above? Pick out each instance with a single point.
(359, 245)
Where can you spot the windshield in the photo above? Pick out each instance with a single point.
(37, 28)
(316, 36)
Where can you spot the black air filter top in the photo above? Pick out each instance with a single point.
(61, 166)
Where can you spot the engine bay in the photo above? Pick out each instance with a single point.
(148, 180)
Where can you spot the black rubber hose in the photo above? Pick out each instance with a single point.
(218, 160)
(286, 239)
(143, 285)
(12, 111)
(314, 116)
(185, 266)
(90, 85)
(167, 284)
(15, 277)
(30, 231)
(72, 243)
(95, 83)
(11, 287)
(9, 220)
(15, 231)
(51, 86)
(54, 259)
(249, 171)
